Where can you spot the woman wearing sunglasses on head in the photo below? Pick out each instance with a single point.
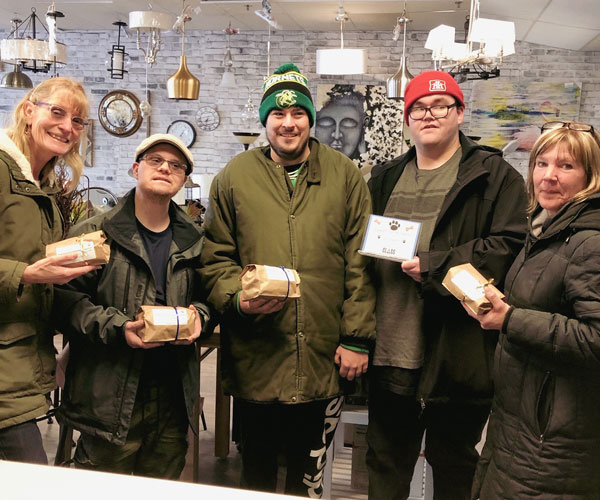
(46, 128)
(543, 438)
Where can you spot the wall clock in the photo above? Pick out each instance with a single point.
(207, 118)
(119, 113)
(184, 130)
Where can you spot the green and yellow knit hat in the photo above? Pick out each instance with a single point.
(285, 88)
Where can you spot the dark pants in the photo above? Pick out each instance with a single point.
(22, 443)
(394, 436)
(301, 432)
(156, 444)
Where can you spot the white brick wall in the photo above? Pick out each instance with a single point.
(205, 52)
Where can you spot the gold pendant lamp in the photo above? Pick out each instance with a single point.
(182, 84)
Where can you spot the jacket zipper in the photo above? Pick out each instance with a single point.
(126, 289)
(543, 389)
(423, 404)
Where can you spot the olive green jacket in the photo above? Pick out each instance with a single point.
(103, 372)
(29, 220)
(255, 217)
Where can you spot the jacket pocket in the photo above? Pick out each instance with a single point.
(544, 407)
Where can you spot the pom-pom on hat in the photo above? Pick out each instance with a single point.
(285, 88)
(429, 83)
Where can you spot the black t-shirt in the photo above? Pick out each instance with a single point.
(157, 247)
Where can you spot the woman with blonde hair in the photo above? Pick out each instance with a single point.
(543, 438)
(46, 129)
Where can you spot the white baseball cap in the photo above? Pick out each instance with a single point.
(155, 139)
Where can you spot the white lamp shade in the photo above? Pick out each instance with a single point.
(228, 79)
(150, 19)
(341, 61)
(498, 36)
(440, 41)
(15, 50)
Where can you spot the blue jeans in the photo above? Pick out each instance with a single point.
(22, 443)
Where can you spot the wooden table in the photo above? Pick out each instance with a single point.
(222, 403)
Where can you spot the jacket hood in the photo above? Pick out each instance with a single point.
(9, 147)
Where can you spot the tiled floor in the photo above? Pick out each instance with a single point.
(221, 471)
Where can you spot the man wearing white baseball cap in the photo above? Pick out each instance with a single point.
(133, 401)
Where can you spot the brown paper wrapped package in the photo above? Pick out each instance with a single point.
(91, 248)
(467, 284)
(161, 323)
(269, 282)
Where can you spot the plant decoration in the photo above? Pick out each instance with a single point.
(71, 204)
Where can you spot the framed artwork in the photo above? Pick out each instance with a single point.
(86, 146)
(505, 110)
(360, 121)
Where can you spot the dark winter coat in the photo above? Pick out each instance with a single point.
(481, 221)
(29, 220)
(317, 229)
(103, 371)
(543, 439)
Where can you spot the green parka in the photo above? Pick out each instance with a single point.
(29, 220)
(103, 371)
(254, 217)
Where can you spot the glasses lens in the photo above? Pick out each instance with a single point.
(417, 113)
(581, 127)
(439, 111)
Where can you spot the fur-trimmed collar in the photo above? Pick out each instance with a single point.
(8, 146)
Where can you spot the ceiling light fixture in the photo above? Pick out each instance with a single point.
(341, 61)
(265, 14)
(150, 22)
(23, 48)
(182, 84)
(396, 84)
(487, 42)
(118, 56)
(228, 79)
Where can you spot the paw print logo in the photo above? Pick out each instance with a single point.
(394, 225)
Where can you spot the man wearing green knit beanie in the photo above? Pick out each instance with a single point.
(296, 204)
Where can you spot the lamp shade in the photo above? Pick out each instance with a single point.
(182, 84)
(228, 79)
(396, 84)
(341, 61)
(29, 50)
(498, 37)
(150, 19)
(16, 79)
(439, 40)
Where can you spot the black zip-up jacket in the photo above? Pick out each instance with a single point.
(103, 372)
(481, 221)
(543, 438)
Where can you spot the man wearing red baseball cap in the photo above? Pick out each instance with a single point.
(432, 363)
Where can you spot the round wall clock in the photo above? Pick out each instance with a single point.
(207, 118)
(184, 130)
(119, 113)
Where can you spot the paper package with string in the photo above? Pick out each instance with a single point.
(166, 323)
(467, 284)
(91, 249)
(269, 282)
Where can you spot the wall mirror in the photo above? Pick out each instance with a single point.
(119, 113)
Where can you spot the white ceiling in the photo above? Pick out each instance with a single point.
(569, 24)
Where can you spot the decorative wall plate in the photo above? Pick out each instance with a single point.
(184, 130)
(207, 118)
(119, 113)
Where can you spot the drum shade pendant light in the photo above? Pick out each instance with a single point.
(396, 84)
(341, 61)
(182, 84)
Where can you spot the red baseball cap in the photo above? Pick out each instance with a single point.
(429, 83)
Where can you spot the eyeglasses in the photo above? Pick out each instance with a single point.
(578, 127)
(437, 111)
(59, 114)
(156, 161)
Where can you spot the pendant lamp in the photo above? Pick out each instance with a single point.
(182, 84)
(396, 84)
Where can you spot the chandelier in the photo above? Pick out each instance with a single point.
(487, 42)
(23, 48)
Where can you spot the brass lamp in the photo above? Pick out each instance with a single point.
(182, 84)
